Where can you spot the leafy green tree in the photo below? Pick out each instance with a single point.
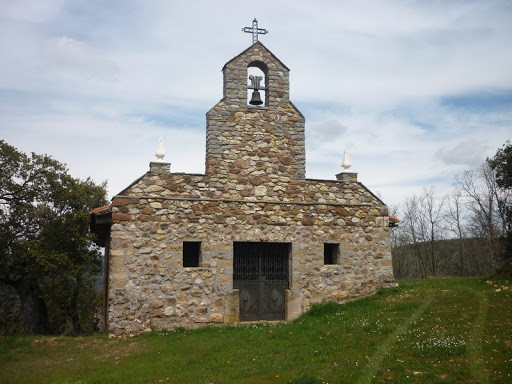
(46, 250)
(501, 164)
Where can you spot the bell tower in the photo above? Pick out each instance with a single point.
(254, 130)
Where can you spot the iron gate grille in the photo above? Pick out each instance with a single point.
(260, 272)
(249, 270)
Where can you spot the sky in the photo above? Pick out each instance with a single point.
(416, 91)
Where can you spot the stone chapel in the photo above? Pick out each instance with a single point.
(251, 239)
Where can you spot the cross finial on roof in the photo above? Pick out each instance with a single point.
(255, 31)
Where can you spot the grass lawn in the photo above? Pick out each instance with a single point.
(446, 330)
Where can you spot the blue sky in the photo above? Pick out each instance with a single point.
(416, 91)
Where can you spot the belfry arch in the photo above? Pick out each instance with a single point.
(257, 81)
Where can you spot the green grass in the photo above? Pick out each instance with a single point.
(447, 330)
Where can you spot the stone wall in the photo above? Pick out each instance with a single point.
(150, 288)
(245, 187)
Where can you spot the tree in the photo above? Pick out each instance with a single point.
(477, 217)
(398, 240)
(455, 220)
(431, 211)
(414, 229)
(501, 164)
(46, 250)
(485, 202)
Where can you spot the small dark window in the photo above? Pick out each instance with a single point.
(331, 252)
(191, 253)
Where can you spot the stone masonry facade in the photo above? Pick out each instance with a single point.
(254, 190)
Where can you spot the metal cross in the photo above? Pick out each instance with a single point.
(255, 31)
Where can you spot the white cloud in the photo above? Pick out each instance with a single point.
(466, 153)
(94, 84)
(30, 11)
(63, 55)
(326, 131)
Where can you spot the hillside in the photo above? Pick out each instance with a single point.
(454, 257)
(446, 330)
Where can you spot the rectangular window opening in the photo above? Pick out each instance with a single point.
(331, 253)
(191, 253)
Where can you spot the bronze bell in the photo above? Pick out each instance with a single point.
(255, 98)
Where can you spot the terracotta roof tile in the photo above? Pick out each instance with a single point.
(393, 219)
(102, 209)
